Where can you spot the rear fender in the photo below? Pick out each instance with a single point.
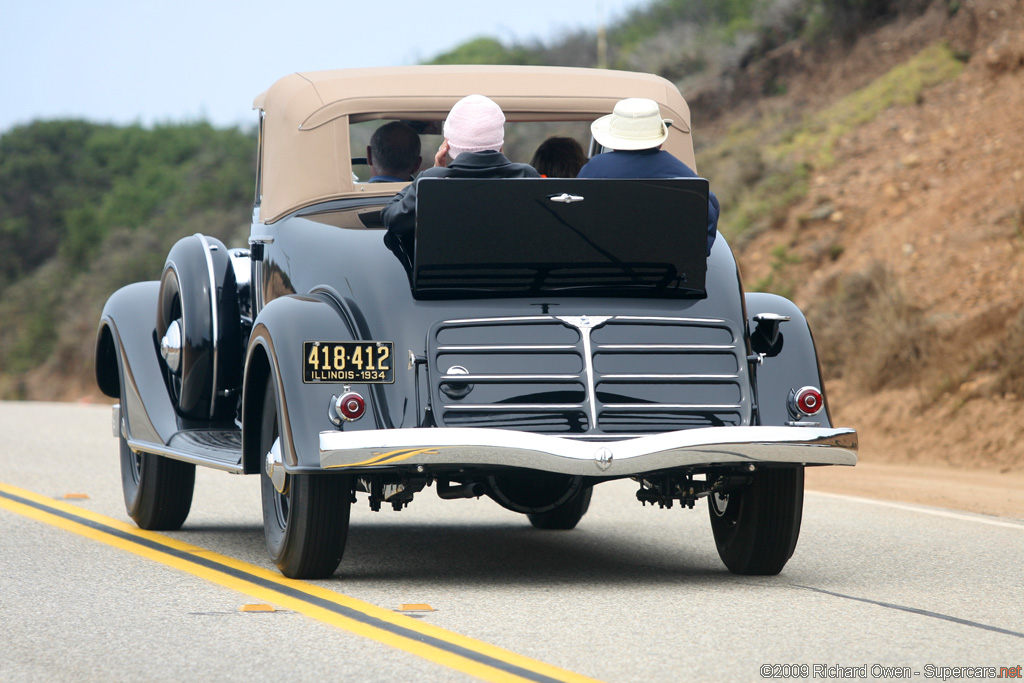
(791, 365)
(275, 355)
(128, 366)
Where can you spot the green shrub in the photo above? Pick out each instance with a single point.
(86, 208)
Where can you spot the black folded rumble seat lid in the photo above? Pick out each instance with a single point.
(569, 237)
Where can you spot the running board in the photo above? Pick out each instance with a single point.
(220, 449)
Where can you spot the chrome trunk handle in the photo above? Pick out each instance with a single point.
(565, 198)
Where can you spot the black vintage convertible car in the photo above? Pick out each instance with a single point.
(539, 337)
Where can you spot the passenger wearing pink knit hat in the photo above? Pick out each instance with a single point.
(474, 135)
(475, 124)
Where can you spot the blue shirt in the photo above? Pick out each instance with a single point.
(648, 163)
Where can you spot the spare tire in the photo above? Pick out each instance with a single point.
(199, 330)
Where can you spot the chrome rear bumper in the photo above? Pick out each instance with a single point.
(474, 447)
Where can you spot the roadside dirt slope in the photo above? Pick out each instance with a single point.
(928, 201)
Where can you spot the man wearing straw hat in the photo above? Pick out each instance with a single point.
(635, 131)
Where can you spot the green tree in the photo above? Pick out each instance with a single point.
(77, 203)
(486, 50)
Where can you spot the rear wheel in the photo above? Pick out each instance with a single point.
(306, 526)
(157, 490)
(565, 516)
(756, 527)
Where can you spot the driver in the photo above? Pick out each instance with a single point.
(393, 153)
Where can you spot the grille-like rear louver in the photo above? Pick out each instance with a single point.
(574, 376)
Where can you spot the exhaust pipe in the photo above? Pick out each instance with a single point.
(451, 492)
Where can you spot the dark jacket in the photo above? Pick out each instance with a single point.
(648, 163)
(399, 216)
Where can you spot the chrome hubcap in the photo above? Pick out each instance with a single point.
(719, 503)
(170, 346)
(275, 468)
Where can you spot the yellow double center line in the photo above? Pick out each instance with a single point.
(435, 644)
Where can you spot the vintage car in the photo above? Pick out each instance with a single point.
(539, 336)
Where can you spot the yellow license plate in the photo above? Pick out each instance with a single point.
(357, 362)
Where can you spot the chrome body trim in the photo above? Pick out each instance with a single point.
(666, 347)
(474, 448)
(666, 377)
(771, 317)
(584, 324)
(679, 406)
(275, 467)
(508, 347)
(214, 317)
(133, 409)
(186, 456)
(603, 437)
(672, 319)
(506, 319)
(515, 406)
(595, 353)
(115, 419)
(468, 377)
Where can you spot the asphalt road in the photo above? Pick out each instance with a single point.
(633, 594)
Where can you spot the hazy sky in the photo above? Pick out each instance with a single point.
(152, 61)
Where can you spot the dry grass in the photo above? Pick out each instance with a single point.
(759, 168)
(869, 334)
(64, 323)
(1009, 359)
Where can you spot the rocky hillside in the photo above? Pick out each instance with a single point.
(907, 250)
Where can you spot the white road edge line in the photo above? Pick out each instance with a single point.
(938, 512)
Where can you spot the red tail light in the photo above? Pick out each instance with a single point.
(350, 406)
(806, 401)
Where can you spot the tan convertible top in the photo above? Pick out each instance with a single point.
(305, 156)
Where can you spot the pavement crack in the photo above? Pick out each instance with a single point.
(912, 610)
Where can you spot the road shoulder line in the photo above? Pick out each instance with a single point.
(938, 512)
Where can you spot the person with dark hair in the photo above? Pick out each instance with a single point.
(393, 153)
(559, 157)
(474, 135)
(635, 131)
